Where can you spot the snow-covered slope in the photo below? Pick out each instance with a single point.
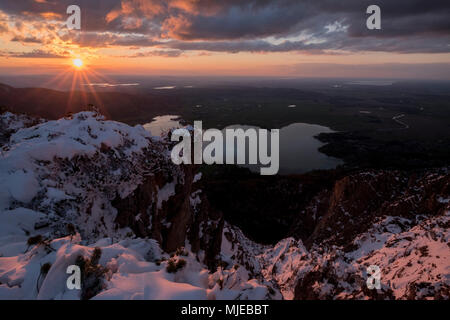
(414, 258)
(80, 190)
(71, 169)
(106, 197)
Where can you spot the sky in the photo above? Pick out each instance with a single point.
(294, 38)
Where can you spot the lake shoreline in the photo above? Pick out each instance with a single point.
(299, 144)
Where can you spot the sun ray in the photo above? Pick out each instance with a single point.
(60, 79)
(72, 90)
(102, 77)
(83, 93)
(98, 102)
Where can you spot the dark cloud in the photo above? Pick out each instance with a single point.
(411, 45)
(246, 45)
(408, 26)
(26, 39)
(157, 53)
(32, 54)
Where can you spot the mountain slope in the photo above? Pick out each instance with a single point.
(106, 197)
(96, 193)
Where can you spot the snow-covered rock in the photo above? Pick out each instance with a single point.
(106, 197)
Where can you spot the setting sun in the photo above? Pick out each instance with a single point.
(78, 63)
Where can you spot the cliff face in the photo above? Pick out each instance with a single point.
(412, 255)
(183, 216)
(395, 220)
(357, 201)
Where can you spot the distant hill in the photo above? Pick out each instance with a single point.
(52, 104)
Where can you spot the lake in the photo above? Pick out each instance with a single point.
(299, 149)
(298, 146)
(163, 124)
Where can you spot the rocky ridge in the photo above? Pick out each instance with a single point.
(107, 196)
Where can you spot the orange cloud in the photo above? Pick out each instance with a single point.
(136, 8)
(175, 27)
(208, 8)
(51, 15)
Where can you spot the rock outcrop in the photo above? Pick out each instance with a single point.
(398, 221)
(358, 200)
